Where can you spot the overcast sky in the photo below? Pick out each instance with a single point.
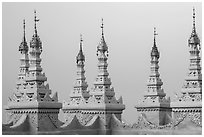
(128, 29)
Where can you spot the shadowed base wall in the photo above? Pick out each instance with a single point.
(157, 116)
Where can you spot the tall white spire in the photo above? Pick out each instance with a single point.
(193, 81)
(154, 104)
(80, 87)
(24, 61)
(102, 85)
(154, 82)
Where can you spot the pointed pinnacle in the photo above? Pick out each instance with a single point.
(155, 36)
(102, 26)
(24, 29)
(35, 20)
(81, 40)
(193, 18)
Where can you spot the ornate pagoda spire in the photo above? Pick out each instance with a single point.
(102, 47)
(103, 92)
(23, 48)
(154, 82)
(34, 100)
(194, 41)
(80, 56)
(80, 87)
(36, 79)
(193, 81)
(36, 42)
(154, 104)
(24, 59)
(35, 20)
(188, 102)
(102, 84)
(36, 48)
(101, 99)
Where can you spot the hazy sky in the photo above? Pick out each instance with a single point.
(128, 31)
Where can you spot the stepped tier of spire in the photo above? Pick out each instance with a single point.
(103, 92)
(154, 82)
(24, 61)
(193, 81)
(80, 91)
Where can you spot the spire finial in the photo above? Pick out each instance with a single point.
(155, 33)
(193, 18)
(35, 20)
(24, 29)
(102, 26)
(81, 40)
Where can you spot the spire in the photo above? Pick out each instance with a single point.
(81, 40)
(194, 29)
(80, 87)
(36, 42)
(24, 30)
(155, 52)
(193, 81)
(102, 47)
(23, 46)
(155, 36)
(102, 27)
(35, 20)
(80, 56)
(155, 83)
(194, 39)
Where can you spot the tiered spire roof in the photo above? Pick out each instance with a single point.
(79, 92)
(31, 80)
(23, 46)
(154, 97)
(24, 61)
(194, 39)
(80, 56)
(36, 42)
(103, 93)
(155, 83)
(102, 47)
(155, 52)
(193, 81)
